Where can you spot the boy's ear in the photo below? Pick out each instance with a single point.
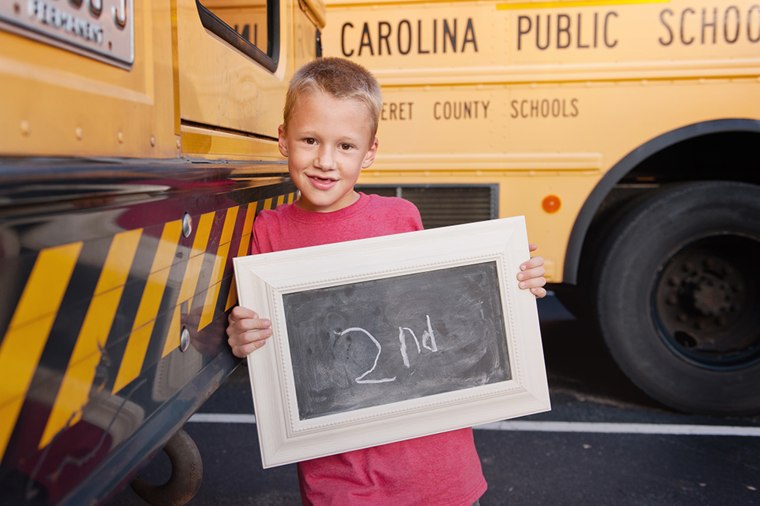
(282, 142)
(370, 156)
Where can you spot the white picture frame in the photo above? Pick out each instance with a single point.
(354, 393)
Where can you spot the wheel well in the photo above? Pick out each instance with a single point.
(726, 156)
(723, 150)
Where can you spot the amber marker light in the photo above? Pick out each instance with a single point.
(551, 204)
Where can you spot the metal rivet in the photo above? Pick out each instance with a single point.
(120, 137)
(153, 140)
(79, 133)
(187, 225)
(184, 339)
(26, 128)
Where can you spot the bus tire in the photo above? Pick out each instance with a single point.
(678, 292)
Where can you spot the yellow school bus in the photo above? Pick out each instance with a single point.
(137, 142)
(627, 133)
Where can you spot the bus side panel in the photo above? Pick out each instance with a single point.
(108, 325)
(540, 100)
(59, 103)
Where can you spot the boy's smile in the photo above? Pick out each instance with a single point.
(328, 141)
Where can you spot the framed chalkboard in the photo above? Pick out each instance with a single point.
(392, 338)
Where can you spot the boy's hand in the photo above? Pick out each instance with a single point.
(247, 332)
(531, 275)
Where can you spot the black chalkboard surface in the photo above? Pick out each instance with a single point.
(376, 342)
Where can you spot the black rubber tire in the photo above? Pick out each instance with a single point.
(186, 474)
(690, 339)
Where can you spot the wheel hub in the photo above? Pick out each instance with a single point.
(702, 305)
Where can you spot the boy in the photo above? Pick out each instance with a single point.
(328, 135)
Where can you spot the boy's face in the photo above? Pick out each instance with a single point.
(327, 143)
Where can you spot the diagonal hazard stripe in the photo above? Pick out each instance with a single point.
(212, 294)
(80, 372)
(173, 334)
(134, 354)
(189, 280)
(29, 330)
(194, 263)
(243, 249)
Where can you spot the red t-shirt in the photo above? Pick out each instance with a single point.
(442, 469)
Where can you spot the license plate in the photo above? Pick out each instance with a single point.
(101, 29)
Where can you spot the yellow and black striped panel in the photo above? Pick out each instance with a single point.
(122, 301)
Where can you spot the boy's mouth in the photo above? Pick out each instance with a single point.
(322, 183)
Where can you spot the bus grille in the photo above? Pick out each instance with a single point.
(441, 206)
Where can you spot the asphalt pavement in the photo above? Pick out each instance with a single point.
(603, 442)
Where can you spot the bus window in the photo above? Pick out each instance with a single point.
(249, 25)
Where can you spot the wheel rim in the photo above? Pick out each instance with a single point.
(705, 302)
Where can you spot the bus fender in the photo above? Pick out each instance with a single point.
(626, 165)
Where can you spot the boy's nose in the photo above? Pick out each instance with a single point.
(325, 159)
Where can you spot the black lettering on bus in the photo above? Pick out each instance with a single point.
(607, 42)
(566, 32)
(753, 9)
(397, 111)
(435, 39)
(731, 39)
(684, 41)
(405, 23)
(522, 29)
(420, 36)
(469, 36)
(563, 31)
(594, 35)
(343, 39)
(366, 40)
(245, 32)
(383, 32)
(703, 27)
(538, 32)
(669, 40)
(419, 39)
(449, 35)
(710, 24)
(458, 110)
(544, 108)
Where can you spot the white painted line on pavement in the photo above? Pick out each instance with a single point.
(625, 428)
(222, 418)
(585, 427)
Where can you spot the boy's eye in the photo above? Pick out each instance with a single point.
(345, 146)
(310, 140)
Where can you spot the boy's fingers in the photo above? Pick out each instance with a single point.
(533, 283)
(532, 247)
(244, 350)
(539, 292)
(246, 324)
(533, 262)
(535, 272)
(241, 313)
(244, 344)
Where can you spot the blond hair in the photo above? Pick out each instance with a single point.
(341, 78)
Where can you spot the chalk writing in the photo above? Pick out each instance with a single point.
(428, 342)
(361, 379)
